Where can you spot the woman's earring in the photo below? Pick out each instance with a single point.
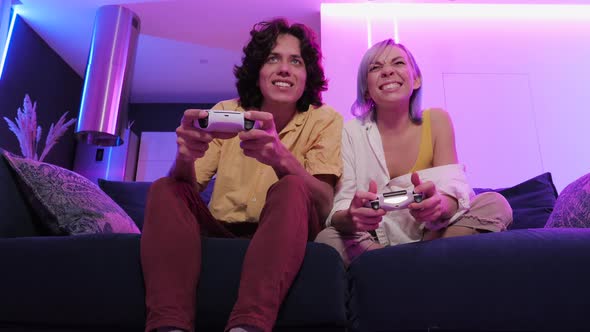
(371, 104)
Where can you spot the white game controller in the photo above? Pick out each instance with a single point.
(394, 200)
(225, 122)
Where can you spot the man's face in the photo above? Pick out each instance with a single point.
(283, 75)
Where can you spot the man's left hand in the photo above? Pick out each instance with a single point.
(262, 142)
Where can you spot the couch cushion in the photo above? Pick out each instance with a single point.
(532, 201)
(68, 203)
(131, 196)
(572, 208)
(96, 281)
(316, 299)
(17, 219)
(521, 280)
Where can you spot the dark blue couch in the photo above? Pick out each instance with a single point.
(520, 280)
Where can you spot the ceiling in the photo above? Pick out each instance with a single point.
(187, 48)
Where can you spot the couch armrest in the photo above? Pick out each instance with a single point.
(72, 281)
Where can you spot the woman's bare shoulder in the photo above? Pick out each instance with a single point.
(441, 122)
(439, 114)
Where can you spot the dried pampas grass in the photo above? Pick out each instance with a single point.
(29, 133)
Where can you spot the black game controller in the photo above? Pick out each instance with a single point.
(395, 200)
(225, 122)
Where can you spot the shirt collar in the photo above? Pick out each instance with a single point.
(368, 120)
(297, 120)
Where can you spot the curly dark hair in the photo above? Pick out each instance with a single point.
(263, 39)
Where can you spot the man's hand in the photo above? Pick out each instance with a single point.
(193, 142)
(359, 218)
(262, 143)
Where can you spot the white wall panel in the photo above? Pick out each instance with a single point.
(484, 127)
(151, 170)
(157, 151)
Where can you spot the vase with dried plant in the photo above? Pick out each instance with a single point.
(29, 133)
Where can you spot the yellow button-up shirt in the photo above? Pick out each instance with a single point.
(313, 137)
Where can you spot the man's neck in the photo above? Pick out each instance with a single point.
(282, 113)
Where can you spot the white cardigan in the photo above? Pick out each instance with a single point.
(364, 160)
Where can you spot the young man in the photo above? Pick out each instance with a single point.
(274, 184)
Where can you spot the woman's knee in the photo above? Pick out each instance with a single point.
(494, 201)
(333, 238)
(349, 246)
(330, 236)
(491, 206)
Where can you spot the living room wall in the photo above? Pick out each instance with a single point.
(33, 68)
(514, 78)
(158, 116)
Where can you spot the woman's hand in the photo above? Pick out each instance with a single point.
(358, 218)
(435, 207)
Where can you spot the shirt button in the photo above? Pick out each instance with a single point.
(254, 199)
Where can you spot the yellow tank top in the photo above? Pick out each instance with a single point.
(426, 150)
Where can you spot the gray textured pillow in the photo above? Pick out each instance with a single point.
(66, 202)
(572, 208)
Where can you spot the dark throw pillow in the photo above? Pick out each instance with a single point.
(68, 203)
(17, 218)
(572, 208)
(131, 196)
(532, 201)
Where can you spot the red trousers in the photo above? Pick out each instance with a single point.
(176, 218)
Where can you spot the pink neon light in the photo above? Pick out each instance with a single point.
(457, 11)
(369, 33)
(395, 30)
(370, 30)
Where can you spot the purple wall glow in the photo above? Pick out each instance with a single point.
(33, 67)
(513, 77)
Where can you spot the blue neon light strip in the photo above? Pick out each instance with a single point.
(107, 174)
(8, 37)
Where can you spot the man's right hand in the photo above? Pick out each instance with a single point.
(193, 142)
(359, 218)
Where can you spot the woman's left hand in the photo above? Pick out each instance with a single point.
(434, 205)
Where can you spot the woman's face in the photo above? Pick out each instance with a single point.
(391, 78)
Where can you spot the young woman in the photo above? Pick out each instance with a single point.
(394, 145)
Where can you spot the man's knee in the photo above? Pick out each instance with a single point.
(292, 181)
(291, 185)
(167, 185)
(161, 186)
